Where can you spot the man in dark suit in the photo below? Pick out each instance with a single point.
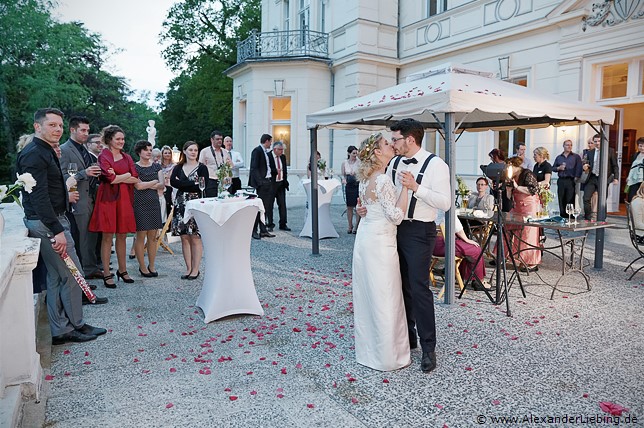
(592, 184)
(74, 151)
(280, 186)
(262, 171)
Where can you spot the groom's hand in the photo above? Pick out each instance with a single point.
(407, 179)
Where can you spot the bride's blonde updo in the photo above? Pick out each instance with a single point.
(368, 161)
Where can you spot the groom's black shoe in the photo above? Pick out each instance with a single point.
(428, 362)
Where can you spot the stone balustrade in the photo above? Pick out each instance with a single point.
(20, 370)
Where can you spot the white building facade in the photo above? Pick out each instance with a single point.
(311, 54)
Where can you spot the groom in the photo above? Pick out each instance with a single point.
(427, 177)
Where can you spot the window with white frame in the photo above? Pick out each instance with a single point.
(434, 7)
(508, 141)
(286, 15)
(621, 80)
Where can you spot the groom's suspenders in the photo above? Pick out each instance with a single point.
(393, 170)
(419, 178)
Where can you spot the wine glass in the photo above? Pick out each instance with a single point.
(201, 182)
(72, 168)
(570, 208)
(575, 212)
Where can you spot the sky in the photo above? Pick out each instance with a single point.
(133, 27)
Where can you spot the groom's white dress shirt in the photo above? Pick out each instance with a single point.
(434, 192)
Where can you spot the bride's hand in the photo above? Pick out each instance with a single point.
(360, 209)
(408, 181)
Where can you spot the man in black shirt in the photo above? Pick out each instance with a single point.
(45, 218)
(568, 166)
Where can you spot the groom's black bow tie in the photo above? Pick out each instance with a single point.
(411, 160)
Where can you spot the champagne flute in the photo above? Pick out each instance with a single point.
(570, 208)
(201, 181)
(72, 170)
(576, 211)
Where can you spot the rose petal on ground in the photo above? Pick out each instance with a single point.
(67, 373)
(612, 408)
(310, 406)
(298, 365)
(49, 377)
(585, 395)
(169, 405)
(280, 395)
(496, 402)
(253, 392)
(385, 381)
(469, 369)
(283, 370)
(232, 398)
(440, 406)
(173, 370)
(87, 363)
(354, 400)
(66, 352)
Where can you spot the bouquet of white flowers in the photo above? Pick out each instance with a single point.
(25, 181)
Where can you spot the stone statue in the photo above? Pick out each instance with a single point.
(152, 132)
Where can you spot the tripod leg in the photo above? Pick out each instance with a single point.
(514, 264)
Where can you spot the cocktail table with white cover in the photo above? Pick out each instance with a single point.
(226, 226)
(326, 189)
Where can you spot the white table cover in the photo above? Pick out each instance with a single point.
(226, 228)
(326, 189)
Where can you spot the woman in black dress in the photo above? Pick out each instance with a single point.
(147, 209)
(542, 168)
(349, 169)
(184, 178)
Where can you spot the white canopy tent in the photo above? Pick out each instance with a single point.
(452, 99)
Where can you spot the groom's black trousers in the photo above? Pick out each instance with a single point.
(415, 247)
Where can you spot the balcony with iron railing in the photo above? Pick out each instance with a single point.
(283, 44)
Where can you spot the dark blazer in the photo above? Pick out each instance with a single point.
(258, 168)
(69, 153)
(612, 163)
(284, 170)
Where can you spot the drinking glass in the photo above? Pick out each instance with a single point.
(201, 181)
(72, 168)
(570, 208)
(227, 182)
(576, 211)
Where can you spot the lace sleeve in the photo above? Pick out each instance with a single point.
(530, 181)
(386, 193)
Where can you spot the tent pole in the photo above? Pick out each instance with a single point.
(450, 216)
(602, 194)
(315, 238)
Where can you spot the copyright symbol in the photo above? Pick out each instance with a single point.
(480, 419)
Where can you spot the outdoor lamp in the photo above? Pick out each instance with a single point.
(176, 154)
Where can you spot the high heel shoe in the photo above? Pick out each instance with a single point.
(131, 256)
(193, 277)
(153, 272)
(122, 275)
(146, 275)
(108, 284)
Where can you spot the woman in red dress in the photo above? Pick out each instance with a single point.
(114, 210)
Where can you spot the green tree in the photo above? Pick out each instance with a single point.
(47, 63)
(201, 38)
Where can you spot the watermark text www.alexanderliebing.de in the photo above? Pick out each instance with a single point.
(580, 419)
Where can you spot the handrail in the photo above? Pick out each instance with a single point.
(277, 44)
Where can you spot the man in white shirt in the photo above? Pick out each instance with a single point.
(428, 177)
(238, 162)
(527, 162)
(213, 157)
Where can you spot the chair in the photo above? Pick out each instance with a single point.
(637, 242)
(435, 259)
(161, 240)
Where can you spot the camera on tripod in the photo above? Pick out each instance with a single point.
(497, 172)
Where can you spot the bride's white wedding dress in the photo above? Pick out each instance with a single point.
(381, 337)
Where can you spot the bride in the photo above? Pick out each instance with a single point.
(381, 339)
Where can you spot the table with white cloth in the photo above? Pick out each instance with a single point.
(226, 226)
(326, 189)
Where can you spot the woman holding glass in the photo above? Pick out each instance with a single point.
(113, 210)
(349, 170)
(147, 209)
(186, 177)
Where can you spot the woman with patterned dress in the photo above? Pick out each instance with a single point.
(184, 178)
(381, 336)
(113, 209)
(349, 170)
(147, 209)
(522, 188)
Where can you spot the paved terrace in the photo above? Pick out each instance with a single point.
(159, 365)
